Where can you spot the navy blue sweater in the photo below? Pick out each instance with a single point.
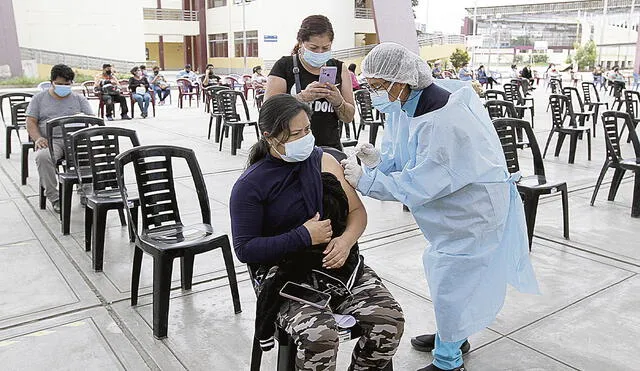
(269, 204)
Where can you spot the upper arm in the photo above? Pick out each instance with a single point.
(275, 85)
(331, 165)
(85, 107)
(347, 88)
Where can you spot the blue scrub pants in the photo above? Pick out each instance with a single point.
(447, 356)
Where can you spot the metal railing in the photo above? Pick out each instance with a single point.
(422, 41)
(169, 15)
(76, 60)
(364, 13)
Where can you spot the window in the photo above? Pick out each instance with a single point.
(252, 44)
(216, 3)
(219, 45)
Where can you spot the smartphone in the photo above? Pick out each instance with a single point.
(305, 294)
(328, 74)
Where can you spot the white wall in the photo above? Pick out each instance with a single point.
(284, 21)
(85, 27)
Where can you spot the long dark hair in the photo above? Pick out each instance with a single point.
(313, 25)
(275, 115)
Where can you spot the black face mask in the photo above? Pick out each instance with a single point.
(108, 72)
(156, 72)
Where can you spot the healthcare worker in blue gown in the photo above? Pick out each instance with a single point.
(442, 158)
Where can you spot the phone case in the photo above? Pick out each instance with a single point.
(295, 286)
(328, 74)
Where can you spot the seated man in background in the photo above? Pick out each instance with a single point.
(108, 85)
(55, 102)
(160, 85)
(210, 78)
(465, 73)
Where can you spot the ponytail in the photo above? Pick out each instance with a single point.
(296, 49)
(258, 151)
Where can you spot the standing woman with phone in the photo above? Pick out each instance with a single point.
(298, 75)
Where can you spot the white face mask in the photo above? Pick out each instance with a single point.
(298, 150)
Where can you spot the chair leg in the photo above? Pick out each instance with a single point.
(284, 354)
(66, 207)
(231, 274)
(599, 182)
(257, 131)
(223, 130)
(234, 139)
(635, 204)
(135, 274)
(530, 210)
(210, 125)
(546, 146)
(162, 267)
(532, 115)
(565, 212)
(123, 220)
(596, 109)
(43, 199)
(186, 271)
(134, 224)
(24, 164)
(573, 144)
(88, 222)
(218, 128)
(97, 242)
(256, 355)
(588, 146)
(7, 141)
(559, 144)
(373, 134)
(615, 183)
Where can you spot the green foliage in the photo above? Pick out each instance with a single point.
(521, 41)
(540, 58)
(518, 59)
(569, 59)
(459, 57)
(586, 55)
(21, 81)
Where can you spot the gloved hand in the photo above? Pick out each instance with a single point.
(352, 172)
(368, 154)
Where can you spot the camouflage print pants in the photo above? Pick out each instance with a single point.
(315, 332)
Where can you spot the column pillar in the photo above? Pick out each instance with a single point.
(10, 54)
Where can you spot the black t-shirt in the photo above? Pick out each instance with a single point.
(324, 120)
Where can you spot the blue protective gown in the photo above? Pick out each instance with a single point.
(448, 167)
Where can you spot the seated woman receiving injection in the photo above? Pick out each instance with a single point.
(295, 218)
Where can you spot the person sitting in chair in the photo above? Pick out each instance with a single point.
(57, 101)
(160, 85)
(279, 209)
(139, 88)
(108, 85)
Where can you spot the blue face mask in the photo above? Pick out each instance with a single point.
(316, 59)
(382, 103)
(298, 150)
(62, 90)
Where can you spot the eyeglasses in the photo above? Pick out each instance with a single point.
(375, 89)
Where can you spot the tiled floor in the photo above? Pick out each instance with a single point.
(56, 313)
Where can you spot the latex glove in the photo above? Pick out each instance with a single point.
(368, 154)
(352, 172)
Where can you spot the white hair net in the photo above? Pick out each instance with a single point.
(395, 63)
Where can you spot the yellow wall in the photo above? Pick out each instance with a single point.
(44, 71)
(236, 63)
(173, 55)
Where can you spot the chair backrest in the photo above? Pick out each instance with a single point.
(44, 85)
(184, 85)
(336, 153)
(559, 109)
(574, 96)
(363, 102)
(89, 89)
(506, 129)
(212, 92)
(227, 101)
(587, 89)
(500, 108)
(103, 145)
(492, 94)
(75, 154)
(632, 101)
(153, 168)
(556, 86)
(510, 93)
(19, 115)
(13, 98)
(124, 87)
(610, 123)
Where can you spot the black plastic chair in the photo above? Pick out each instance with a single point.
(365, 111)
(610, 120)
(163, 235)
(530, 187)
(500, 109)
(492, 94)
(561, 109)
(513, 95)
(556, 88)
(227, 100)
(582, 115)
(632, 103)
(213, 107)
(69, 177)
(103, 145)
(618, 96)
(592, 102)
(13, 99)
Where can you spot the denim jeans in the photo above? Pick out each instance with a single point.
(146, 98)
(162, 94)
